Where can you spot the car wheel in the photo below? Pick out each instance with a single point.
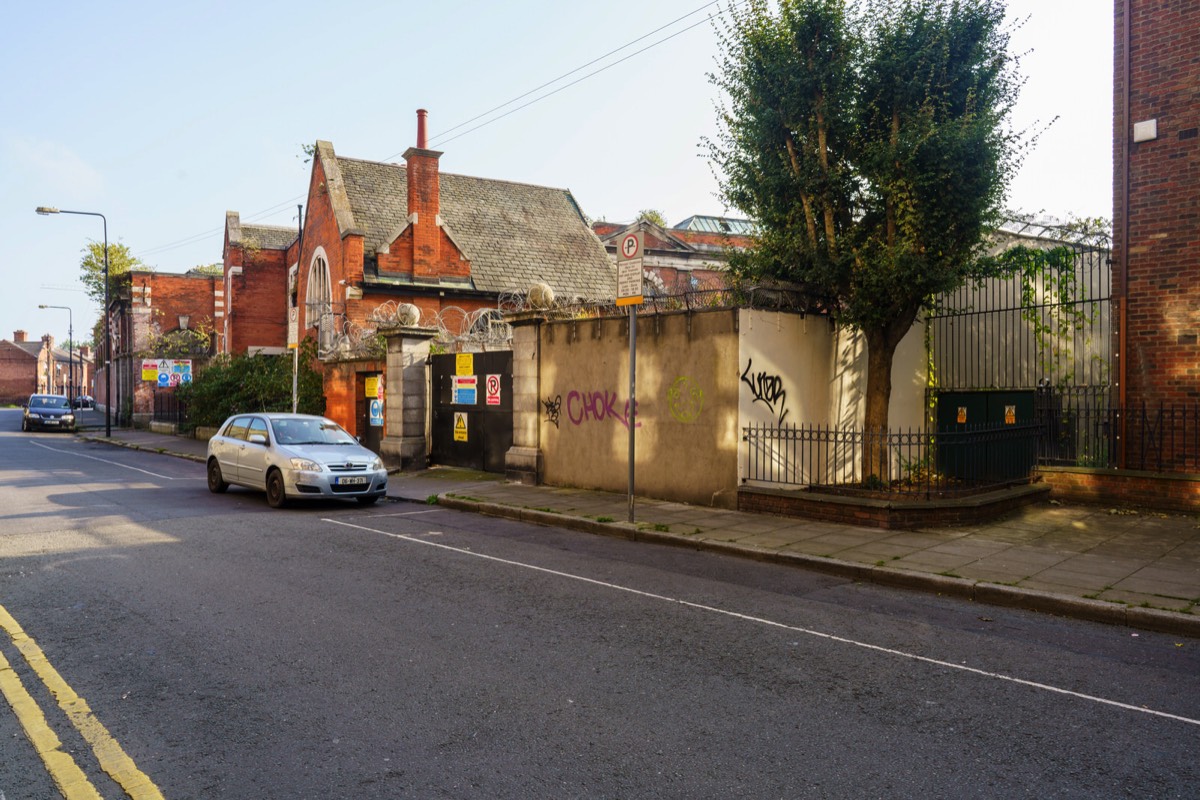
(368, 501)
(216, 484)
(276, 495)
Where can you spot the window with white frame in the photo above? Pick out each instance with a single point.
(317, 294)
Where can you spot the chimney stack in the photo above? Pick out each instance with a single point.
(20, 336)
(424, 204)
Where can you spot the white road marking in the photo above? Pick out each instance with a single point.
(376, 516)
(106, 461)
(771, 623)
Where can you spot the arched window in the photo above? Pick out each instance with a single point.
(318, 297)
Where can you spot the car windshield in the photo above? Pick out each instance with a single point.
(47, 401)
(310, 431)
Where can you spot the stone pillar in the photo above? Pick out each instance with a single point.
(523, 461)
(405, 393)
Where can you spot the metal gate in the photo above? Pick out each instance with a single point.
(472, 409)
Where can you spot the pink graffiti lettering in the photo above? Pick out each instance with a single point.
(597, 406)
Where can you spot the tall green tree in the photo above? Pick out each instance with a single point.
(91, 266)
(868, 140)
(652, 215)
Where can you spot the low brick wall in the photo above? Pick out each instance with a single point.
(890, 514)
(1157, 490)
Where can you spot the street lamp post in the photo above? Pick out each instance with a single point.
(70, 351)
(43, 210)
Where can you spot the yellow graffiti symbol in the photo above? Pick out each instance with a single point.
(685, 399)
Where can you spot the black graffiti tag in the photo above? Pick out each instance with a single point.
(553, 408)
(767, 389)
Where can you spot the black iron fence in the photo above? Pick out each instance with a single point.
(169, 408)
(968, 459)
(919, 463)
(1154, 438)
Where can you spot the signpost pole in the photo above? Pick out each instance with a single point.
(629, 293)
(295, 313)
(632, 400)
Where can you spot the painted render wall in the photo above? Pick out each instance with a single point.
(687, 394)
(799, 370)
(701, 378)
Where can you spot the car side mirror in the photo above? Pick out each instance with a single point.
(257, 438)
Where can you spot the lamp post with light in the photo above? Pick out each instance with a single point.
(44, 210)
(70, 351)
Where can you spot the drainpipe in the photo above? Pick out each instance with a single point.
(1122, 334)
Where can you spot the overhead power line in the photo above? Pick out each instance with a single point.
(441, 138)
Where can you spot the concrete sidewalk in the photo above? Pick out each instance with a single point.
(1114, 565)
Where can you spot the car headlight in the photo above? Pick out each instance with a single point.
(376, 465)
(69, 417)
(305, 465)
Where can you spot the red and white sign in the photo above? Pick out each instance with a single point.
(631, 246)
(493, 390)
(629, 270)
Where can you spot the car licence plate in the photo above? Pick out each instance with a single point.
(351, 481)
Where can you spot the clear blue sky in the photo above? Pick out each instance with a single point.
(162, 116)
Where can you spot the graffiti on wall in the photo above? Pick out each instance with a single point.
(553, 408)
(766, 389)
(685, 400)
(597, 406)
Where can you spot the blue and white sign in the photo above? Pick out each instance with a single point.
(376, 409)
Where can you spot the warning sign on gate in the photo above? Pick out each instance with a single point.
(460, 426)
(463, 389)
(493, 390)
(1010, 415)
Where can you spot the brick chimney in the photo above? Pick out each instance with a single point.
(424, 204)
(20, 336)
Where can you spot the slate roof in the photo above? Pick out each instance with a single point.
(267, 237)
(514, 234)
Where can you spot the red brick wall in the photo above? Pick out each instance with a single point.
(18, 374)
(344, 256)
(174, 295)
(1125, 488)
(165, 297)
(1162, 312)
(256, 300)
(340, 383)
(887, 514)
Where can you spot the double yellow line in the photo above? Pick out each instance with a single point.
(70, 779)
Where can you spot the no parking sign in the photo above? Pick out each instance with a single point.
(493, 390)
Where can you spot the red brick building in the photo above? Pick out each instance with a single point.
(251, 311)
(690, 256)
(1156, 203)
(378, 232)
(27, 367)
(148, 307)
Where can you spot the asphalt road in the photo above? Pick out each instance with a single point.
(330, 651)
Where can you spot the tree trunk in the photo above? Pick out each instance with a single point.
(882, 342)
(880, 353)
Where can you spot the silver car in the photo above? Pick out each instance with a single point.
(293, 456)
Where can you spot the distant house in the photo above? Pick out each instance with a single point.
(27, 367)
(690, 256)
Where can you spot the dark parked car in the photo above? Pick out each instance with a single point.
(293, 457)
(85, 401)
(48, 412)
